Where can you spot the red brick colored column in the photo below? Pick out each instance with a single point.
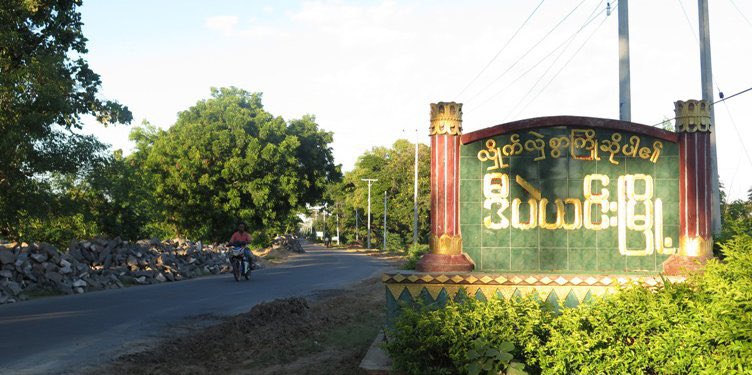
(446, 240)
(695, 237)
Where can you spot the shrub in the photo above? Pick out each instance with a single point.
(414, 252)
(435, 340)
(701, 326)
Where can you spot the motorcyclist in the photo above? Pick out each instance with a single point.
(242, 238)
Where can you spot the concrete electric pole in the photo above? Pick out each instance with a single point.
(625, 99)
(370, 181)
(706, 69)
(415, 193)
(384, 246)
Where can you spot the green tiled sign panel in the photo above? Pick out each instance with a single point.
(561, 176)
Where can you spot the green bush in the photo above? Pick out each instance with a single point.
(414, 252)
(701, 326)
(435, 340)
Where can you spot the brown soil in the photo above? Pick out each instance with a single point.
(328, 334)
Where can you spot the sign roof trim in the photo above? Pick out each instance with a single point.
(572, 121)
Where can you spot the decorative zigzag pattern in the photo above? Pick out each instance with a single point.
(571, 289)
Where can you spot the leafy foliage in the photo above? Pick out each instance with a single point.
(486, 359)
(431, 339)
(414, 252)
(227, 159)
(736, 217)
(46, 86)
(701, 326)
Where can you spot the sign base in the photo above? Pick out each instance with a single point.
(445, 263)
(560, 290)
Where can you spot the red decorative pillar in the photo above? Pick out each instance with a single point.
(695, 186)
(446, 240)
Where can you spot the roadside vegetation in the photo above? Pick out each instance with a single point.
(700, 326)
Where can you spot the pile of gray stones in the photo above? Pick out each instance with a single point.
(29, 269)
(287, 242)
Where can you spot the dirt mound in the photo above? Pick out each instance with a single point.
(326, 335)
(295, 307)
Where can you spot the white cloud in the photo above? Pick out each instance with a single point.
(225, 24)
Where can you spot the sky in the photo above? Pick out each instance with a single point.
(369, 69)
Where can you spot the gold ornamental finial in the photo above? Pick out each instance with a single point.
(446, 118)
(692, 116)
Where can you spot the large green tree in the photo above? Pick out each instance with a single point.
(46, 86)
(227, 159)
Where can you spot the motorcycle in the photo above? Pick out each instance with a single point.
(241, 267)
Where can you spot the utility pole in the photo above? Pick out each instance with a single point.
(415, 194)
(356, 225)
(625, 97)
(370, 181)
(384, 245)
(315, 221)
(337, 213)
(706, 69)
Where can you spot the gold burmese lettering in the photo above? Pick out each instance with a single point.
(532, 221)
(560, 214)
(628, 200)
(496, 192)
(493, 154)
(557, 144)
(635, 210)
(583, 139)
(577, 223)
(583, 144)
(600, 200)
(538, 144)
(663, 245)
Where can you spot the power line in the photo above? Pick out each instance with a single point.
(740, 12)
(584, 43)
(712, 104)
(689, 23)
(565, 44)
(729, 97)
(527, 52)
(502, 48)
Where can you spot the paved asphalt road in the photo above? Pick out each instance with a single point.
(60, 334)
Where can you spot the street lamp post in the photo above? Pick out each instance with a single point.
(384, 221)
(415, 191)
(415, 194)
(370, 181)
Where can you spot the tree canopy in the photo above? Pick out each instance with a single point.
(46, 86)
(227, 159)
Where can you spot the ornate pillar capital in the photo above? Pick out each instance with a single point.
(692, 116)
(446, 118)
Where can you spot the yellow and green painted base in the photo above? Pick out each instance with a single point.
(563, 290)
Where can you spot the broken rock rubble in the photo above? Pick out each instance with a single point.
(104, 264)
